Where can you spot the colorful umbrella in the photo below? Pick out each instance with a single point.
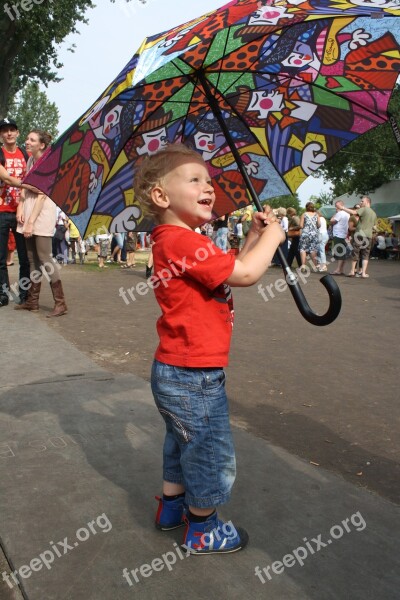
(265, 91)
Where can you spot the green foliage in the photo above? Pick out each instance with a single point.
(325, 199)
(284, 201)
(32, 110)
(368, 162)
(30, 40)
(29, 43)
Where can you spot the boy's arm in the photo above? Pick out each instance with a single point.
(261, 247)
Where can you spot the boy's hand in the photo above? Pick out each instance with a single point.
(261, 219)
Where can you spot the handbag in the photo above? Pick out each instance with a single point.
(292, 233)
(60, 232)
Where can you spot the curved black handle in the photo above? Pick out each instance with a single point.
(335, 298)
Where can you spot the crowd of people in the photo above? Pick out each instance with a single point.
(351, 235)
(307, 237)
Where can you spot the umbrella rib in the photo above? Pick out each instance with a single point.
(190, 77)
(260, 73)
(316, 86)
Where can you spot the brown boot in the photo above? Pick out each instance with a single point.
(32, 302)
(60, 308)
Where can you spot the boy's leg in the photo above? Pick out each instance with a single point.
(171, 506)
(193, 404)
(209, 467)
(173, 489)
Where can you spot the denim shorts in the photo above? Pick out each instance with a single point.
(198, 447)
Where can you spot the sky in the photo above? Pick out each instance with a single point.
(114, 32)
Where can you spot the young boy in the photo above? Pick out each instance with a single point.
(191, 283)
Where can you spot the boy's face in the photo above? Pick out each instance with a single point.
(188, 194)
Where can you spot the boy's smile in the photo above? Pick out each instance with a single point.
(188, 194)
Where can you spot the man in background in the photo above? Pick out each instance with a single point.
(362, 243)
(340, 222)
(14, 160)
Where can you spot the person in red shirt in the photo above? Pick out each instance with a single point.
(15, 165)
(191, 282)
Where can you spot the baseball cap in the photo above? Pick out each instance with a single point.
(8, 123)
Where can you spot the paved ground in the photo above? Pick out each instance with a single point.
(329, 395)
(313, 407)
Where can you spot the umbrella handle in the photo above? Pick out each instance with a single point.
(335, 298)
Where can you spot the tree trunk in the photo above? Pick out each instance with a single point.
(9, 50)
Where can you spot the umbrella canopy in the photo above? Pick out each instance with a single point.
(294, 81)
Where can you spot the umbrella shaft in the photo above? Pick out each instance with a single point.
(218, 115)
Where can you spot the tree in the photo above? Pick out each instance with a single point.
(33, 110)
(284, 201)
(368, 162)
(30, 33)
(325, 199)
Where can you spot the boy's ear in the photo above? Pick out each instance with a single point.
(159, 197)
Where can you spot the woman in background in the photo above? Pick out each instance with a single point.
(36, 217)
(323, 239)
(309, 238)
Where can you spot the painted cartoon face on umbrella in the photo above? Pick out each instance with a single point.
(153, 141)
(376, 3)
(269, 15)
(301, 56)
(266, 102)
(110, 126)
(206, 143)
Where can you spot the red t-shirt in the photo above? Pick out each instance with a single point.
(195, 327)
(15, 165)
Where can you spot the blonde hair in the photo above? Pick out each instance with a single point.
(281, 212)
(153, 170)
